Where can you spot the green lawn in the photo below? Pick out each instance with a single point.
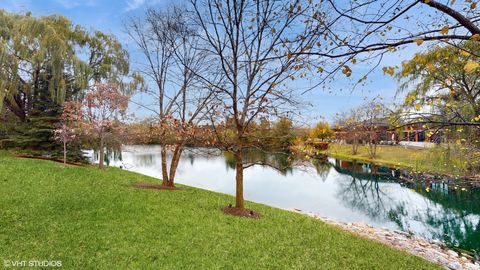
(91, 219)
(418, 160)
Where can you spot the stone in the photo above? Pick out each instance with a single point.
(452, 253)
(441, 260)
(401, 233)
(454, 265)
(471, 266)
(436, 242)
(418, 249)
(434, 251)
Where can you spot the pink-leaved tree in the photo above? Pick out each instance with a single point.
(65, 135)
(68, 130)
(102, 111)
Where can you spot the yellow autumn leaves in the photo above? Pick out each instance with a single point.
(444, 30)
(389, 70)
(347, 71)
(470, 66)
(455, 56)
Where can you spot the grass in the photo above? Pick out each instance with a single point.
(418, 160)
(91, 219)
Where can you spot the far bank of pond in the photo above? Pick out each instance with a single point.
(435, 208)
(438, 160)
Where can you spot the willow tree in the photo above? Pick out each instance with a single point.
(45, 61)
(443, 96)
(442, 86)
(49, 54)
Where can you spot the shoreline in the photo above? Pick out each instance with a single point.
(433, 251)
(403, 166)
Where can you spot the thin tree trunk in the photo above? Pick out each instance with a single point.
(102, 153)
(174, 165)
(239, 202)
(354, 144)
(163, 153)
(64, 152)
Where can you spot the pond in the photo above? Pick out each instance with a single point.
(436, 209)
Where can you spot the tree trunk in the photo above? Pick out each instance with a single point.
(354, 144)
(64, 152)
(16, 109)
(163, 153)
(102, 153)
(239, 202)
(173, 166)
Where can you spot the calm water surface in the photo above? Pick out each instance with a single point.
(345, 191)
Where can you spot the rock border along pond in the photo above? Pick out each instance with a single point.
(433, 251)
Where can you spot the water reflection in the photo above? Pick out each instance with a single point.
(145, 160)
(282, 162)
(446, 212)
(435, 208)
(456, 221)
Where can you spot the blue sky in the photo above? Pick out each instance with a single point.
(108, 15)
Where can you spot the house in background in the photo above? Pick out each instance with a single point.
(417, 136)
(413, 135)
(384, 133)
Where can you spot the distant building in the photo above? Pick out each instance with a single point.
(384, 133)
(388, 134)
(418, 133)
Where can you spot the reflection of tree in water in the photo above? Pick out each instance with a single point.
(284, 163)
(364, 194)
(281, 162)
(110, 155)
(451, 218)
(229, 160)
(322, 167)
(190, 156)
(396, 215)
(145, 160)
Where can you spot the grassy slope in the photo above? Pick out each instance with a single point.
(419, 160)
(93, 219)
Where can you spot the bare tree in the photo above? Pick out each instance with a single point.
(173, 62)
(349, 124)
(257, 46)
(364, 124)
(374, 115)
(364, 31)
(382, 25)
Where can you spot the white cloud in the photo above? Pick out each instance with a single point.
(134, 4)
